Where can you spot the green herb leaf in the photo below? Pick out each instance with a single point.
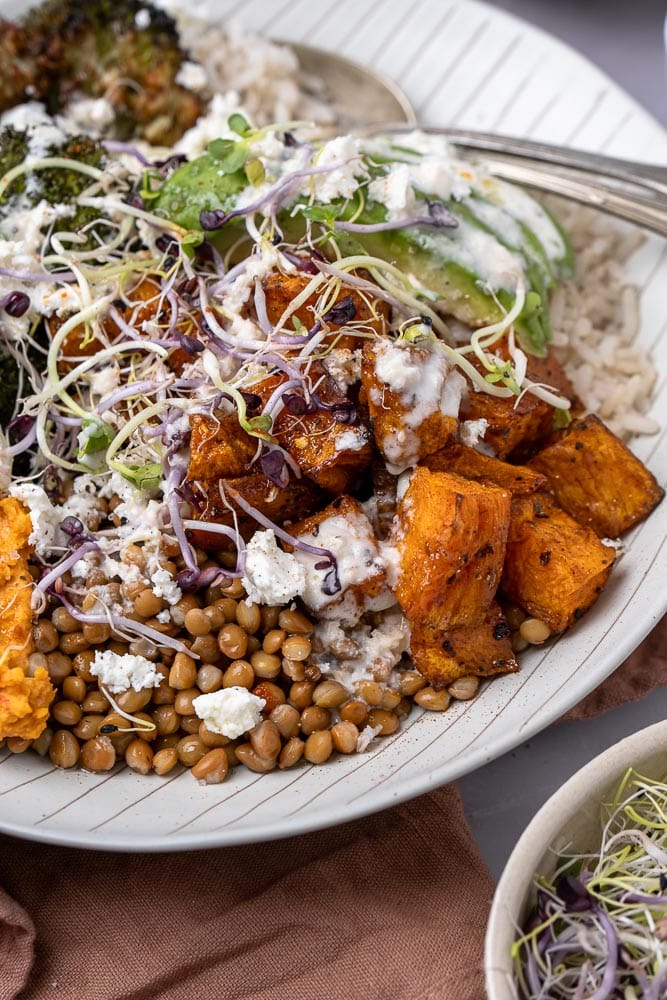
(263, 423)
(144, 477)
(151, 184)
(230, 155)
(255, 172)
(95, 436)
(190, 242)
(237, 123)
(562, 418)
(319, 213)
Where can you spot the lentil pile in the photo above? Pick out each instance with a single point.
(267, 650)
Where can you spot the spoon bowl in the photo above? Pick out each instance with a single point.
(357, 94)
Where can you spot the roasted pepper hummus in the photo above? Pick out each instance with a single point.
(24, 700)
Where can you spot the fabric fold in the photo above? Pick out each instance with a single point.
(17, 940)
(380, 907)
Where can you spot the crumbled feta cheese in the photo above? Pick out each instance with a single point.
(231, 711)
(164, 616)
(121, 671)
(271, 576)
(470, 431)
(343, 156)
(28, 225)
(91, 115)
(165, 586)
(46, 517)
(344, 366)
(58, 301)
(394, 190)
(353, 439)
(105, 381)
(142, 18)
(212, 125)
(192, 76)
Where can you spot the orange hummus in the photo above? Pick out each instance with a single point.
(24, 700)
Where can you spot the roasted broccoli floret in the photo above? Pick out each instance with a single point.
(126, 51)
(28, 59)
(59, 185)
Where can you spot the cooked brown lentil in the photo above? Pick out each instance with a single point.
(98, 754)
(267, 650)
(212, 768)
(165, 760)
(291, 753)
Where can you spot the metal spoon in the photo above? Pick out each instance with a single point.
(358, 95)
(367, 102)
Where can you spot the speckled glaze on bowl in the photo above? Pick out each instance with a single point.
(570, 819)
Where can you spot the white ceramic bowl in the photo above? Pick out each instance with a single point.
(570, 819)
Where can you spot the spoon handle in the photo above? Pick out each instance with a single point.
(623, 188)
(647, 175)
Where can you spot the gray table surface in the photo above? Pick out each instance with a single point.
(626, 40)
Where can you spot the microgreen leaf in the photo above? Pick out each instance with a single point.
(190, 242)
(562, 418)
(237, 123)
(95, 437)
(144, 477)
(229, 155)
(255, 172)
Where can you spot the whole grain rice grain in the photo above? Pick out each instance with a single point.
(595, 319)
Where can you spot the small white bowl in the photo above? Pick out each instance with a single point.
(570, 819)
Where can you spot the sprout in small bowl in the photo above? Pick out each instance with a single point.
(581, 909)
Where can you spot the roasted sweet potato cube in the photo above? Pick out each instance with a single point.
(471, 464)
(597, 480)
(554, 568)
(279, 505)
(413, 399)
(219, 447)
(351, 309)
(518, 428)
(331, 451)
(450, 534)
(483, 650)
(343, 529)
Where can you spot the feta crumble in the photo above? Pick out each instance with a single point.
(165, 586)
(119, 672)
(230, 712)
(271, 576)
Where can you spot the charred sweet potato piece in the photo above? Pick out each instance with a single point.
(596, 478)
(450, 534)
(483, 650)
(351, 307)
(412, 397)
(554, 568)
(517, 429)
(471, 464)
(300, 497)
(219, 447)
(332, 452)
(140, 307)
(24, 700)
